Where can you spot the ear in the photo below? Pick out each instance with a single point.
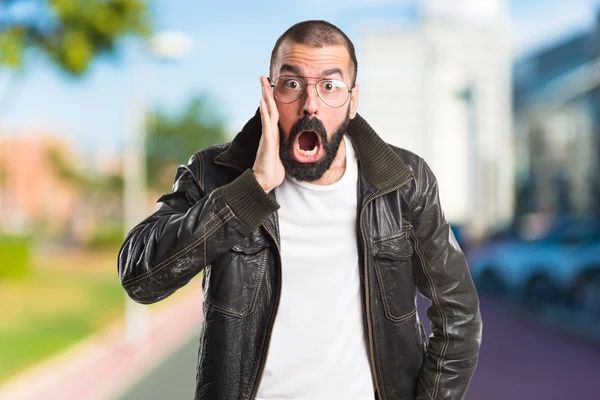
(354, 102)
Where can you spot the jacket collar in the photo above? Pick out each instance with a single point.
(379, 164)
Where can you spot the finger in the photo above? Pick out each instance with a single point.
(264, 87)
(264, 91)
(264, 114)
(267, 132)
(268, 96)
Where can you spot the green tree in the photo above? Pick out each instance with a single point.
(72, 33)
(173, 138)
(101, 196)
(109, 184)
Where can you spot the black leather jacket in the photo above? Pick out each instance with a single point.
(218, 219)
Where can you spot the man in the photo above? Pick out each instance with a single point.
(314, 236)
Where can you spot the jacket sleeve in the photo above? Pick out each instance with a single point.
(442, 275)
(188, 231)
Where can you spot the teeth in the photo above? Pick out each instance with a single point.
(306, 153)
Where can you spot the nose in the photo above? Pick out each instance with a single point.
(311, 101)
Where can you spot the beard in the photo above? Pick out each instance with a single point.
(310, 172)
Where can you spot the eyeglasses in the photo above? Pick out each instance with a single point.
(288, 89)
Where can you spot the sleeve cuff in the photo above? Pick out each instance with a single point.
(248, 200)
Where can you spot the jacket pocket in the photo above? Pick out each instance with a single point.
(233, 281)
(393, 267)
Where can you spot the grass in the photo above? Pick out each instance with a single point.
(66, 298)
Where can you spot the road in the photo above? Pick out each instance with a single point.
(520, 359)
(173, 379)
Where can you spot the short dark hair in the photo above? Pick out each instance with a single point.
(317, 33)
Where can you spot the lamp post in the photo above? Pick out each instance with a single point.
(165, 45)
(467, 95)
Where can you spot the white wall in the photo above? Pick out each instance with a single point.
(410, 80)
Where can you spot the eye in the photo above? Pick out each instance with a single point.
(330, 86)
(292, 84)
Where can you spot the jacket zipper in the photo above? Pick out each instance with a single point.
(367, 303)
(369, 327)
(262, 368)
(266, 353)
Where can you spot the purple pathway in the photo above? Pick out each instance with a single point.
(521, 359)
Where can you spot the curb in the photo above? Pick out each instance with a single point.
(105, 365)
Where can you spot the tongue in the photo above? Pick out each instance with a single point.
(308, 140)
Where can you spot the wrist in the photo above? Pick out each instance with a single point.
(261, 181)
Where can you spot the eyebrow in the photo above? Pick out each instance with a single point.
(295, 70)
(290, 68)
(333, 71)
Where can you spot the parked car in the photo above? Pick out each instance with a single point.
(543, 261)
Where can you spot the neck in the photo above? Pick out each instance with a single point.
(337, 169)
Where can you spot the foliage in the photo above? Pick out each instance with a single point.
(67, 297)
(70, 32)
(106, 236)
(101, 199)
(64, 299)
(99, 190)
(85, 182)
(16, 256)
(173, 138)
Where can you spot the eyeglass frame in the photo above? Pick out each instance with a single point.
(305, 78)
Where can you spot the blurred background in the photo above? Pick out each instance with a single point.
(101, 100)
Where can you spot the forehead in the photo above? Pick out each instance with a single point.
(311, 61)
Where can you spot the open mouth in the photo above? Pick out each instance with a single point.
(308, 147)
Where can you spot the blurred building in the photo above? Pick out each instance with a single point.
(442, 89)
(33, 195)
(557, 118)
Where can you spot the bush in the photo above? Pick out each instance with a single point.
(16, 256)
(106, 236)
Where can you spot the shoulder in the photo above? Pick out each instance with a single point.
(412, 160)
(209, 153)
(200, 164)
(200, 159)
(423, 181)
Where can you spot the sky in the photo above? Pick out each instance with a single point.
(232, 42)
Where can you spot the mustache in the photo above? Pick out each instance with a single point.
(308, 124)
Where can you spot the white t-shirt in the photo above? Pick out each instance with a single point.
(319, 347)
